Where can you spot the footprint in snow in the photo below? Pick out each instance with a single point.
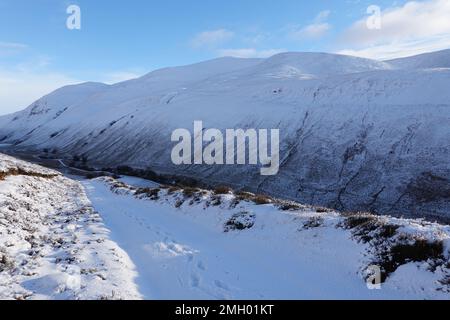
(195, 280)
(201, 266)
(221, 285)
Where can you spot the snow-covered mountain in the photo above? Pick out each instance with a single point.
(356, 134)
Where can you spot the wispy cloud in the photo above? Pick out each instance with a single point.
(315, 30)
(414, 28)
(249, 53)
(12, 45)
(11, 48)
(211, 38)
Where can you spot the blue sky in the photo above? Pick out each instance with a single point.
(120, 39)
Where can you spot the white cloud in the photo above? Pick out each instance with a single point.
(315, 30)
(211, 38)
(312, 31)
(249, 53)
(413, 28)
(11, 48)
(257, 38)
(12, 45)
(323, 15)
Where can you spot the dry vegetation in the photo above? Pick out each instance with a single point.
(391, 248)
(223, 190)
(21, 172)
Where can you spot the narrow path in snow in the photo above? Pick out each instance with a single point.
(175, 258)
(184, 255)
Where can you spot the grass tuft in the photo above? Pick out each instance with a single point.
(222, 190)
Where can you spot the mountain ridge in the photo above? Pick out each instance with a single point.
(344, 121)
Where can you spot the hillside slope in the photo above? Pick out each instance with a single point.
(132, 239)
(53, 245)
(439, 59)
(356, 134)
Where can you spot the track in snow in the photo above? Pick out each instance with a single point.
(182, 254)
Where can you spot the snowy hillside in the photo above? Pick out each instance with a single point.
(52, 243)
(356, 134)
(107, 239)
(202, 244)
(315, 65)
(440, 59)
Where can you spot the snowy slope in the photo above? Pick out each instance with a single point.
(344, 121)
(13, 166)
(440, 59)
(52, 243)
(52, 106)
(106, 239)
(315, 65)
(198, 244)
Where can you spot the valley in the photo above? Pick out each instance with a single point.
(349, 121)
(128, 238)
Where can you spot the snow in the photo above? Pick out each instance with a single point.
(137, 182)
(53, 245)
(8, 163)
(108, 239)
(184, 253)
(339, 117)
(315, 65)
(434, 60)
